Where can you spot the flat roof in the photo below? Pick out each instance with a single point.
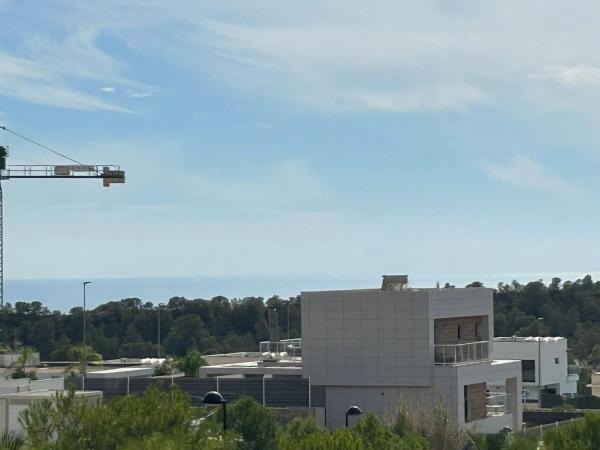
(47, 393)
(122, 369)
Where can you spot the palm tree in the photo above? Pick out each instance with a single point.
(11, 441)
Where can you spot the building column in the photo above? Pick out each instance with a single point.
(514, 402)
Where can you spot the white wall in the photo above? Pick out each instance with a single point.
(551, 373)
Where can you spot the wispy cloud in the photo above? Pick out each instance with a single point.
(573, 75)
(53, 71)
(318, 54)
(523, 172)
(137, 94)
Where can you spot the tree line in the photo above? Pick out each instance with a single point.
(129, 327)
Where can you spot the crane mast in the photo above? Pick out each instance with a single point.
(108, 173)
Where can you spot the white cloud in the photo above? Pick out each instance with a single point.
(136, 94)
(108, 89)
(573, 75)
(523, 172)
(385, 56)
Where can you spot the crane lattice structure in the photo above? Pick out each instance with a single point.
(109, 174)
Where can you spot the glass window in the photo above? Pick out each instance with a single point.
(528, 370)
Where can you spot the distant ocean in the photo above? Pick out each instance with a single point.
(63, 294)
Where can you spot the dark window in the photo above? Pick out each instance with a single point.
(528, 370)
(466, 397)
(556, 361)
(458, 331)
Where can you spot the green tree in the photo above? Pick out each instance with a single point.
(190, 363)
(578, 435)
(255, 424)
(188, 332)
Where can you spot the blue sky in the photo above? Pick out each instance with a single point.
(431, 137)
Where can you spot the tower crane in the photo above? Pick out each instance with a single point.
(109, 174)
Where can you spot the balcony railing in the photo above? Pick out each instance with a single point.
(452, 354)
(572, 370)
(498, 404)
(284, 349)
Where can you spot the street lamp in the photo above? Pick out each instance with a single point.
(288, 319)
(540, 320)
(352, 411)
(158, 338)
(215, 398)
(85, 283)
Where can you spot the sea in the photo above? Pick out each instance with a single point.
(64, 294)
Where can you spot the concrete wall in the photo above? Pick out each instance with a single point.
(10, 359)
(382, 401)
(465, 302)
(367, 338)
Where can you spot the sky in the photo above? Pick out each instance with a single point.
(262, 138)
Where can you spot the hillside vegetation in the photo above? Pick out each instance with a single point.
(128, 328)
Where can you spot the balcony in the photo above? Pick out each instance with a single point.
(497, 404)
(286, 349)
(454, 354)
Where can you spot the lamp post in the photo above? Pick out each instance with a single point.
(158, 334)
(215, 398)
(352, 411)
(540, 320)
(85, 283)
(288, 319)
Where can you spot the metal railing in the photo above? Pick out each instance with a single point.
(284, 349)
(452, 354)
(572, 370)
(497, 404)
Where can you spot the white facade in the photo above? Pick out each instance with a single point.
(553, 374)
(13, 405)
(381, 348)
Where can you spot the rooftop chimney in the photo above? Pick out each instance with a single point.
(394, 282)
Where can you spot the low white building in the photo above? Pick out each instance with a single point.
(13, 405)
(17, 395)
(553, 375)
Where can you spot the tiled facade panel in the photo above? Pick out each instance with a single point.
(446, 331)
(476, 401)
(384, 402)
(366, 338)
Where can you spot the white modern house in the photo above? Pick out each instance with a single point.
(380, 348)
(544, 363)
